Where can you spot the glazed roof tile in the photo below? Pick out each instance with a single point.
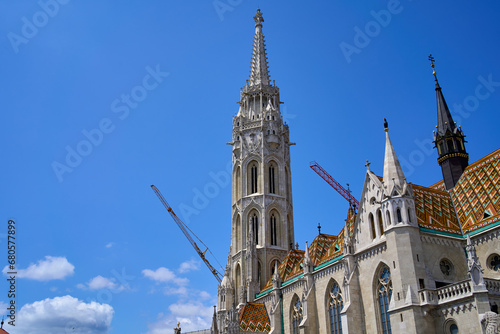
(254, 318)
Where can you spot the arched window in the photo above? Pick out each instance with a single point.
(237, 237)
(237, 184)
(450, 145)
(272, 179)
(274, 236)
(296, 316)
(253, 178)
(372, 225)
(255, 226)
(238, 282)
(388, 217)
(398, 214)
(259, 274)
(384, 293)
(334, 307)
(380, 222)
(287, 190)
(409, 215)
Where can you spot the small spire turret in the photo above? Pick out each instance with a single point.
(393, 173)
(449, 139)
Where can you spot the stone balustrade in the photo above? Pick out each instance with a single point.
(492, 285)
(445, 294)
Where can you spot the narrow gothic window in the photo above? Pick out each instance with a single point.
(409, 216)
(372, 225)
(441, 148)
(334, 308)
(296, 316)
(384, 291)
(272, 184)
(398, 213)
(380, 222)
(388, 217)
(450, 145)
(273, 230)
(255, 224)
(253, 181)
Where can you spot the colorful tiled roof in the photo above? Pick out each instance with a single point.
(320, 247)
(477, 194)
(254, 318)
(435, 210)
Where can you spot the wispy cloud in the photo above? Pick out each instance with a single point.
(164, 275)
(99, 282)
(192, 315)
(188, 266)
(51, 268)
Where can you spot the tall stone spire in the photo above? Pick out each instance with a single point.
(259, 73)
(449, 140)
(393, 173)
(262, 206)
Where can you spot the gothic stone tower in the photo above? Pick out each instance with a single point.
(262, 215)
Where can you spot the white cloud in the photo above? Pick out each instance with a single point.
(62, 315)
(99, 283)
(164, 275)
(52, 267)
(110, 244)
(3, 308)
(191, 315)
(189, 266)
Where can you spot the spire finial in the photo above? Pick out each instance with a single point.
(258, 18)
(319, 228)
(431, 58)
(386, 125)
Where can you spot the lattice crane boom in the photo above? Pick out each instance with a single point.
(337, 186)
(187, 232)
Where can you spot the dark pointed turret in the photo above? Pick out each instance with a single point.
(449, 140)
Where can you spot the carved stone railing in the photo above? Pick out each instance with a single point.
(492, 285)
(445, 294)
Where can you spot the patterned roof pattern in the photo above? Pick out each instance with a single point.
(253, 318)
(477, 194)
(290, 267)
(435, 210)
(320, 246)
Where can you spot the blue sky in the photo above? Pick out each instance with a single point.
(146, 91)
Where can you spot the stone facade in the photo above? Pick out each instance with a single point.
(412, 259)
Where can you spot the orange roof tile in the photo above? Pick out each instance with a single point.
(435, 210)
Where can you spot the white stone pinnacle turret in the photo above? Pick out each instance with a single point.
(393, 173)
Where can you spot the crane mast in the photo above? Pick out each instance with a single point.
(337, 186)
(187, 232)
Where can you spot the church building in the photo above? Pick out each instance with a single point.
(410, 258)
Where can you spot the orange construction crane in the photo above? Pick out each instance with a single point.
(187, 232)
(331, 181)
